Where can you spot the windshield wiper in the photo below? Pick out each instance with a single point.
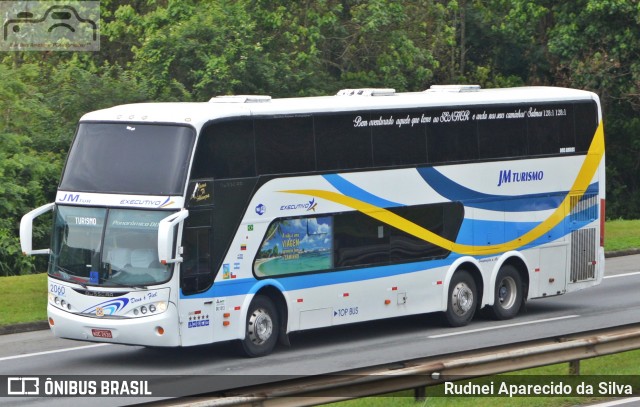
(69, 274)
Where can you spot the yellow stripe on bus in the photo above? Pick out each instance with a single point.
(580, 185)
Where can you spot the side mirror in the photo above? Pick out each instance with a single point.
(166, 232)
(26, 230)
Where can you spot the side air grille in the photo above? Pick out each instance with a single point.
(583, 255)
(585, 209)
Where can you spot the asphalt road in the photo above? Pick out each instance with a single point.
(614, 302)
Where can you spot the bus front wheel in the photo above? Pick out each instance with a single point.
(262, 327)
(508, 293)
(462, 299)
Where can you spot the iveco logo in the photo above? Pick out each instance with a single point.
(100, 293)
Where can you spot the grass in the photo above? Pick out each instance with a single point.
(622, 234)
(593, 371)
(23, 299)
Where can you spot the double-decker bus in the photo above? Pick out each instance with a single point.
(247, 218)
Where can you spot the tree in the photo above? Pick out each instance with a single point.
(596, 45)
(26, 176)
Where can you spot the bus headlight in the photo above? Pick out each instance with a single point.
(148, 309)
(59, 302)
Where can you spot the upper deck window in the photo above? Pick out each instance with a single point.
(129, 158)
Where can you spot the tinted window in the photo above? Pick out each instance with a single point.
(550, 129)
(388, 138)
(403, 143)
(586, 122)
(196, 271)
(406, 247)
(341, 144)
(285, 145)
(225, 150)
(452, 137)
(360, 240)
(132, 158)
(502, 132)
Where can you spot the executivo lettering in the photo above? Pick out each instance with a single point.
(508, 176)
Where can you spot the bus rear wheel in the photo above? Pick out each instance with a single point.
(508, 293)
(461, 300)
(262, 327)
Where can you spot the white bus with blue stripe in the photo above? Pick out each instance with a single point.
(248, 218)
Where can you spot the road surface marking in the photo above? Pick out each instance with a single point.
(501, 326)
(635, 273)
(27, 355)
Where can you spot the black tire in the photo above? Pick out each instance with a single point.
(261, 328)
(507, 294)
(461, 299)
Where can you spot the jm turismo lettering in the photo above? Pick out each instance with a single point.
(508, 176)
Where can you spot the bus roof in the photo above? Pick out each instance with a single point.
(199, 113)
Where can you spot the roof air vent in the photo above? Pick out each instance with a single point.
(241, 99)
(453, 88)
(367, 92)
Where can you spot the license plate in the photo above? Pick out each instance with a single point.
(101, 333)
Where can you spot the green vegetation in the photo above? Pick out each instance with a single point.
(190, 51)
(620, 364)
(622, 235)
(23, 299)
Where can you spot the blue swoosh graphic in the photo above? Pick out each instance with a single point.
(112, 306)
(349, 189)
(474, 199)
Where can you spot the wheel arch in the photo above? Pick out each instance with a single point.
(273, 290)
(519, 262)
(473, 267)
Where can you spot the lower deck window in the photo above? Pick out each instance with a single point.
(353, 239)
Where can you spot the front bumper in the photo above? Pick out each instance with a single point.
(160, 330)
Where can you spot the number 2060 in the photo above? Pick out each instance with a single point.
(57, 289)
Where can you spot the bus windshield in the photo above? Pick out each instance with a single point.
(105, 157)
(107, 247)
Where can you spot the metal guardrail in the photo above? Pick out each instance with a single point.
(418, 373)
